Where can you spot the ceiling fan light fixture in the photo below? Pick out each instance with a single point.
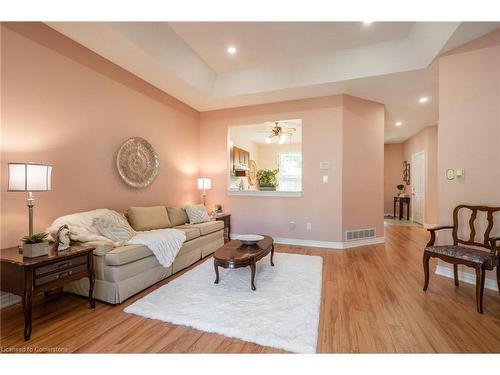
(278, 134)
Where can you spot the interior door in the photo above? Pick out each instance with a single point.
(418, 187)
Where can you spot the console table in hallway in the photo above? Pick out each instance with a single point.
(401, 201)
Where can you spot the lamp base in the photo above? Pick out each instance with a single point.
(31, 203)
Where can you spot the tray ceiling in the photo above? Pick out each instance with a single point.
(387, 62)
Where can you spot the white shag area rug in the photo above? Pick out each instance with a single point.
(282, 313)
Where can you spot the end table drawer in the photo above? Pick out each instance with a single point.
(62, 265)
(60, 275)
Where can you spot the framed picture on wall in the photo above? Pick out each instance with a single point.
(406, 172)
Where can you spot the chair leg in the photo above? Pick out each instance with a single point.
(426, 270)
(455, 273)
(480, 274)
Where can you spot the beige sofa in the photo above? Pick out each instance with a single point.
(124, 271)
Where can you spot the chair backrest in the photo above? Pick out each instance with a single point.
(472, 220)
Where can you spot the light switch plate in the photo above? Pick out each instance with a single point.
(459, 173)
(325, 179)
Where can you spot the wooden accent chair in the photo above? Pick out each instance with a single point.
(469, 256)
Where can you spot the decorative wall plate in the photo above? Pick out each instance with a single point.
(252, 173)
(137, 162)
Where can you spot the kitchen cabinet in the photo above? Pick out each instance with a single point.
(241, 161)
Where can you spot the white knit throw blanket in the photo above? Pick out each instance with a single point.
(164, 243)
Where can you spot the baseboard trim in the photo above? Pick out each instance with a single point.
(465, 277)
(8, 299)
(324, 244)
(427, 226)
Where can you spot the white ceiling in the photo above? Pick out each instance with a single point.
(258, 133)
(261, 43)
(391, 63)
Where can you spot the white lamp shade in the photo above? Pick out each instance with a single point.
(204, 183)
(29, 177)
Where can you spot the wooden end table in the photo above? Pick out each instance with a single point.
(26, 277)
(226, 218)
(236, 255)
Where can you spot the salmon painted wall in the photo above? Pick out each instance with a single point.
(363, 165)
(320, 204)
(469, 127)
(64, 105)
(393, 174)
(425, 140)
(325, 137)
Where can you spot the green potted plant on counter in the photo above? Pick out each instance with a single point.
(268, 180)
(35, 245)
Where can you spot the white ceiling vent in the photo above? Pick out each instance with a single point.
(359, 234)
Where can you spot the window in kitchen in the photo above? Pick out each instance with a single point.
(290, 171)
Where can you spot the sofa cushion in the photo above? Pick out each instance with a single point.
(191, 233)
(148, 218)
(204, 228)
(101, 247)
(212, 242)
(197, 213)
(177, 216)
(126, 271)
(187, 256)
(126, 254)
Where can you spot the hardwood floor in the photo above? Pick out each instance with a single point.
(372, 301)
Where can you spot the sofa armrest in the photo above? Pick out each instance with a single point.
(101, 247)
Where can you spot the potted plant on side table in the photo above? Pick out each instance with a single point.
(35, 245)
(268, 180)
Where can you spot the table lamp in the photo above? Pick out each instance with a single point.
(29, 177)
(204, 183)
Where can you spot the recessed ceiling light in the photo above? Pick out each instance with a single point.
(398, 123)
(423, 99)
(231, 50)
(366, 23)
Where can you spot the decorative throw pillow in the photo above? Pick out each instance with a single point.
(148, 218)
(177, 216)
(197, 213)
(114, 226)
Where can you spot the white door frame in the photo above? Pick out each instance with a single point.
(424, 175)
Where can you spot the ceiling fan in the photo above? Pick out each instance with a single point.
(278, 132)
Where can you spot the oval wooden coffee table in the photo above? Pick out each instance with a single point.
(236, 255)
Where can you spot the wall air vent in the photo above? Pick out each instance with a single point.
(359, 234)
